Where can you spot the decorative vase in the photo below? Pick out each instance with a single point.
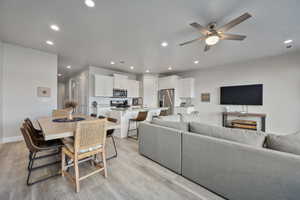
(70, 116)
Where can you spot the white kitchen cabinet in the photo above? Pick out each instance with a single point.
(133, 88)
(187, 88)
(168, 82)
(150, 90)
(103, 85)
(184, 110)
(120, 81)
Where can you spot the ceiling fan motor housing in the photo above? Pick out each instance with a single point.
(212, 26)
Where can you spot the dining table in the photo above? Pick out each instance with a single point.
(53, 129)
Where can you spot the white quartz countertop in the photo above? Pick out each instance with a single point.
(130, 109)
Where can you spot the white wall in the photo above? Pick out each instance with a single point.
(1, 95)
(281, 99)
(61, 95)
(24, 70)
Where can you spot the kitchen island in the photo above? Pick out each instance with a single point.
(124, 114)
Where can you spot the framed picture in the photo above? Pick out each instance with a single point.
(43, 92)
(205, 97)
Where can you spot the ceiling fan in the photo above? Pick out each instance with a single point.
(213, 35)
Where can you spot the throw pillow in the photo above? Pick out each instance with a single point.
(285, 143)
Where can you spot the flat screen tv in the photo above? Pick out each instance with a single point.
(242, 95)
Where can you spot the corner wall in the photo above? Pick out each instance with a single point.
(1, 91)
(24, 70)
(280, 76)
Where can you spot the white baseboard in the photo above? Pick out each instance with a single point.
(12, 139)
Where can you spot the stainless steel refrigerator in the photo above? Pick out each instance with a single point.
(166, 98)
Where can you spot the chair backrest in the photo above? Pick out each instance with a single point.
(142, 115)
(93, 115)
(33, 134)
(90, 134)
(61, 112)
(163, 113)
(29, 123)
(111, 131)
(28, 139)
(112, 120)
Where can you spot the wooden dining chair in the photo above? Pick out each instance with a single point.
(89, 141)
(61, 112)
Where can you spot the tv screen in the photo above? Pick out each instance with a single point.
(242, 95)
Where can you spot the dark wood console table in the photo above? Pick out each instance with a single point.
(238, 114)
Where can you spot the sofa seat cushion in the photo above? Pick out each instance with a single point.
(183, 126)
(285, 143)
(253, 138)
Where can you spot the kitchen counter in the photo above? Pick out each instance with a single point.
(138, 109)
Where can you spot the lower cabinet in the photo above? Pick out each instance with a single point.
(184, 110)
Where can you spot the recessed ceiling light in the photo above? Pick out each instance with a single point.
(147, 71)
(196, 61)
(164, 44)
(54, 27)
(69, 67)
(59, 74)
(288, 41)
(169, 68)
(89, 3)
(50, 42)
(112, 62)
(131, 67)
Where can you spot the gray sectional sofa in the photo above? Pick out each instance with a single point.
(233, 163)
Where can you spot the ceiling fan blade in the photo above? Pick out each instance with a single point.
(225, 36)
(191, 41)
(234, 22)
(200, 28)
(207, 47)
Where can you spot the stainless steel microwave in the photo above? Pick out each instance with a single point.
(120, 93)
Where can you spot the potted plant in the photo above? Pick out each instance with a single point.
(72, 105)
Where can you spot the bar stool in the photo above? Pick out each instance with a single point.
(110, 134)
(161, 113)
(142, 115)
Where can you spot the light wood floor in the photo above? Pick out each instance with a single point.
(130, 176)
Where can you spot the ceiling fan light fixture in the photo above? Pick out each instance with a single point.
(89, 3)
(212, 40)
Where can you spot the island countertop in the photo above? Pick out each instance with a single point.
(139, 109)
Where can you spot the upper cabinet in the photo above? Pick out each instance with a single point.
(187, 88)
(168, 82)
(120, 81)
(133, 88)
(150, 90)
(104, 85)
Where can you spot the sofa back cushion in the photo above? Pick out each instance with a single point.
(190, 117)
(285, 143)
(253, 138)
(183, 126)
(173, 118)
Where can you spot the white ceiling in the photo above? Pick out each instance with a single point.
(132, 30)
